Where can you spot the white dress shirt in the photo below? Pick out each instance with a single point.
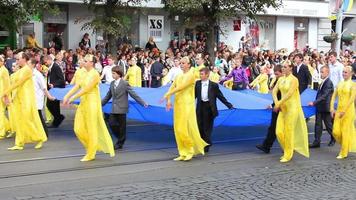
(108, 74)
(204, 90)
(336, 73)
(298, 67)
(173, 73)
(40, 86)
(117, 82)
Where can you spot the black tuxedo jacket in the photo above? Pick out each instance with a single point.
(213, 93)
(56, 77)
(303, 76)
(323, 97)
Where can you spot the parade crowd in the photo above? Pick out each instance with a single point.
(28, 75)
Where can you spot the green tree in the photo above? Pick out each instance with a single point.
(112, 17)
(14, 13)
(210, 12)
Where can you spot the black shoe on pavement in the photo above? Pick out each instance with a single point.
(331, 143)
(206, 149)
(118, 146)
(314, 145)
(263, 148)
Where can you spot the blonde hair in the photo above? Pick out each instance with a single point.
(186, 58)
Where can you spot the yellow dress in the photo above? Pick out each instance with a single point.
(215, 77)
(261, 80)
(165, 80)
(89, 125)
(186, 129)
(30, 128)
(4, 84)
(344, 128)
(197, 71)
(15, 105)
(229, 83)
(291, 129)
(78, 76)
(134, 76)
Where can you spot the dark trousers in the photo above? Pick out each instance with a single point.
(43, 122)
(321, 117)
(271, 135)
(238, 86)
(54, 108)
(155, 83)
(117, 123)
(205, 122)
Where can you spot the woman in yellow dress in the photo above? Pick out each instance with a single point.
(186, 130)
(30, 128)
(134, 74)
(89, 125)
(4, 83)
(344, 116)
(78, 75)
(291, 130)
(214, 75)
(261, 80)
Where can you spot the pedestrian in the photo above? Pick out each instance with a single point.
(206, 93)
(89, 124)
(322, 106)
(118, 92)
(186, 129)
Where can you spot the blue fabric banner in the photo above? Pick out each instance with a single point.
(250, 106)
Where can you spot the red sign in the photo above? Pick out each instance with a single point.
(237, 25)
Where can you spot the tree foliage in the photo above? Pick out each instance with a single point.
(14, 13)
(210, 12)
(112, 17)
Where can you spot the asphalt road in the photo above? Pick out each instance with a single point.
(144, 169)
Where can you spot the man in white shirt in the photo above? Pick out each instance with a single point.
(40, 91)
(107, 74)
(336, 69)
(174, 71)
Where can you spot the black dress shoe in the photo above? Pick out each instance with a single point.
(118, 146)
(331, 143)
(314, 145)
(263, 148)
(206, 149)
(60, 120)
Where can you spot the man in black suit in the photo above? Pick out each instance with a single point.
(156, 73)
(55, 80)
(322, 105)
(271, 134)
(301, 71)
(206, 93)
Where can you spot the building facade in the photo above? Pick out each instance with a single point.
(294, 25)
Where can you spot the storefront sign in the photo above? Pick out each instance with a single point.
(60, 18)
(156, 27)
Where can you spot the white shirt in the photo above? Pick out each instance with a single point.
(173, 73)
(204, 90)
(40, 86)
(336, 73)
(298, 67)
(117, 82)
(108, 74)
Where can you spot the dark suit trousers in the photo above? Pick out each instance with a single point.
(155, 83)
(117, 123)
(271, 135)
(54, 108)
(205, 122)
(319, 119)
(43, 122)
